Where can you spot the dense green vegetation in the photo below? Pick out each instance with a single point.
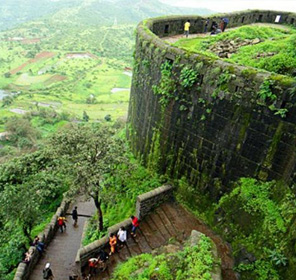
(31, 188)
(192, 263)
(276, 52)
(258, 219)
(119, 192)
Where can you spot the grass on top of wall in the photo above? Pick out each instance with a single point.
(280, 42)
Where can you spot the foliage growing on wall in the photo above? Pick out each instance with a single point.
(188, 77)
(167, 86)
(267, 97)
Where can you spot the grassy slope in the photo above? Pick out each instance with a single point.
(279, 41)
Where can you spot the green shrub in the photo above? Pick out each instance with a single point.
(192, 263)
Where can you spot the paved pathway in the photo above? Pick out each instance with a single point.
(62, 250)
(169, 220)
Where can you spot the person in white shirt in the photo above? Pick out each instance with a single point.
(122, 236)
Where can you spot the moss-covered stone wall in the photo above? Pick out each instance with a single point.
(205, 119)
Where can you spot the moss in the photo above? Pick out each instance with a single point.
(154, 155)
(215, 71)
(243, 129)
(284, 81)
(231, 69)
(273, 146)
(249, 73)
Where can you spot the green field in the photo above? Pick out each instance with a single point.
(56, 66)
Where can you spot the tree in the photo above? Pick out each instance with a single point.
(21, 206)
(21, 132)
(92, 152)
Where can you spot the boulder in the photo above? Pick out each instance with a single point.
(256, 41)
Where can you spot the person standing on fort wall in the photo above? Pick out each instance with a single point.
(207, 21)
(186, 28)
(225, 23)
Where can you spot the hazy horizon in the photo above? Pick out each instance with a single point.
(229, 6)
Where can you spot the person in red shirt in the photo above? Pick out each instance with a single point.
(135, 223)
(92, 264)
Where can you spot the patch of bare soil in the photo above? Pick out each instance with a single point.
(38, 57)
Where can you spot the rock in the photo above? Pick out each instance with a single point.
(229, 55)
(244, 257)
(256, 41)
(194, 240)
(195, 237)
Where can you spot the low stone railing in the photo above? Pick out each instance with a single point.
(25, 269)
(144, 205)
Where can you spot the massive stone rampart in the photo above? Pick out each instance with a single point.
(227, 122)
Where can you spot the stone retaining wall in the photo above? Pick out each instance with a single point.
(148, 201)
(25, 269)
(145, 204)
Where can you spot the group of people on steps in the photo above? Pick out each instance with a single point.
(215, 27)
(116, 241)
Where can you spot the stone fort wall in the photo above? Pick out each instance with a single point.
(218, 128)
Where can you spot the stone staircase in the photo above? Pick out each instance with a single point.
(168, 221)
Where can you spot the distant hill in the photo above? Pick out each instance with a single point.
(127, 11)
(14, 12)
(98, 12)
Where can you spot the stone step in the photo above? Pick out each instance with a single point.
(159, 223)
(152, 237)
(170, 228)
(176, 221)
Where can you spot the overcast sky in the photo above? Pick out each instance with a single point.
(235, 5)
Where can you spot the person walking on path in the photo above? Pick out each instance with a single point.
(207, 21)
(135, 223)
(62, 223)
(221, 24)
(75, 216)
(103, 258)
(186, 28)
(47, 272)
(225, 23)
(122, 236)
(112, 242)
(92, 265)
(38, 244)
